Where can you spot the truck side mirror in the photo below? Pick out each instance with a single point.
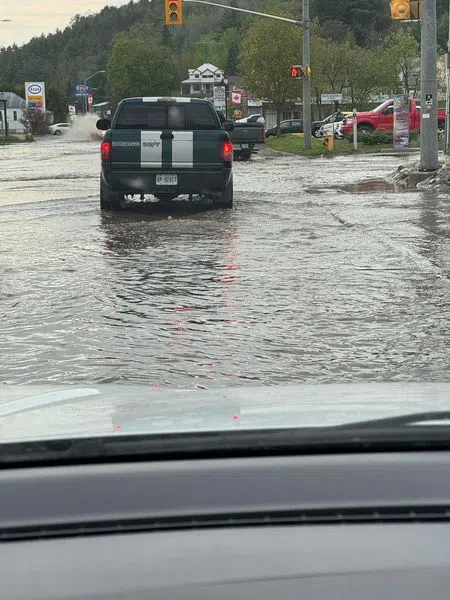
(228, 125)
(103, 124)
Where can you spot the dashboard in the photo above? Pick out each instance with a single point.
(356, 526)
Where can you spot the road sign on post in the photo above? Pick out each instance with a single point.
(220, 97)
(330, 98)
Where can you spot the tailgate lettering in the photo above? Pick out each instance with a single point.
(151, 149)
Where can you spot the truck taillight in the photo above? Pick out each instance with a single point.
(106, 150)
(227, 151)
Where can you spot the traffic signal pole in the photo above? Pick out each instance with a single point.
(307, 139)
(447, 95)
(429, 160)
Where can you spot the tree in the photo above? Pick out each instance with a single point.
(136, 68)
(366, 74)
(268, 50)
(35, 121)
(56, 101)
(401, 53)
(366, 18)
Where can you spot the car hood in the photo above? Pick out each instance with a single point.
(57, 412)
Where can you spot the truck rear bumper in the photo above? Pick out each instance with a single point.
(188, 182)
(244, 147)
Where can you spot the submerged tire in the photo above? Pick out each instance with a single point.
(109, 199)
(226, 197)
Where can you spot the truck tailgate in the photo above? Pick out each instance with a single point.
(177, 150)
(248, 133)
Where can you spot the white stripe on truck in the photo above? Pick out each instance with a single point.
(183, 149)
(151, 149)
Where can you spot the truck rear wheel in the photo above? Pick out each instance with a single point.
(226, 198)
(109, 199)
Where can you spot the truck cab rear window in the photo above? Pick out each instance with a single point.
(174, 117)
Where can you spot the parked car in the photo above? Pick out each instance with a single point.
(290, 126)
(333, 123)
(166, 147)
(59, 128)
(329, 123)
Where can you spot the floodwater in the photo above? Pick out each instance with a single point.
(322, 273)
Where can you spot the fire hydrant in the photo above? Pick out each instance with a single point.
(329, 142)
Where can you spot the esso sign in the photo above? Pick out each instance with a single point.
(35, 89)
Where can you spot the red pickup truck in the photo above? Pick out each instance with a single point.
(382, 117)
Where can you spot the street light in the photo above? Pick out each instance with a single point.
(86, 95)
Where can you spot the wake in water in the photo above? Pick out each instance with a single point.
(83, 128)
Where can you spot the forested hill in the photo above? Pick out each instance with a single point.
(209, 34)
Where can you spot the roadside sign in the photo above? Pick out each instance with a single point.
(330, 98)
(81, 89)
(35, 94)
(429, 99)
(72, 109)
(401, 123)
(244, 104)
(220, 97)
(90, 99)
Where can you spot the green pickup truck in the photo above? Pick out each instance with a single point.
(166, 147)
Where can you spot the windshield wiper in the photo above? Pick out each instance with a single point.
(400, 434)
(412, 419)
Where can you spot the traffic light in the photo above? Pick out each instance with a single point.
(174, 12)
(297, 71)
(401, 10)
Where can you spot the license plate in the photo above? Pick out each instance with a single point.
(244, 145)
(167, 180)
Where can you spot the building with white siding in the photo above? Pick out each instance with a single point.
(15, 106)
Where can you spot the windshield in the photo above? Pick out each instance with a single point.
(167, 265)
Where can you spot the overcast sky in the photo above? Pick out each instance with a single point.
(33, 17)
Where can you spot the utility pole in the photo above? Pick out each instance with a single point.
(429, 159)
(307, 139)
(447, 98)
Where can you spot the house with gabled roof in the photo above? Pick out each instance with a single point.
(201, 81)
(15, 106)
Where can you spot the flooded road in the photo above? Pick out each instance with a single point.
(318, 275)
